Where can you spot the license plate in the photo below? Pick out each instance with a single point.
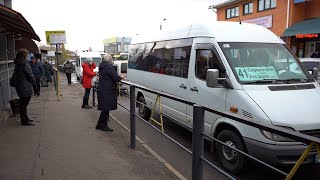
(317, 159)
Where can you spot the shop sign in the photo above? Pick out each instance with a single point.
(301, 36)
(265, 21)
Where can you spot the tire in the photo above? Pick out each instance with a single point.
(229, 159)
(144, 112)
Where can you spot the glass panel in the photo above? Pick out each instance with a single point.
(267, 4)
(258, 62)
(228, 13)
(136, 55)
(310, 65)
(261, 5)
(251, 8)
(206, 59)
(273, 3)
(233, 12)
(97, 61)
(237, 11)
(246, 9)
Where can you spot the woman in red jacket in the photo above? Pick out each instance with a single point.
(87, 76)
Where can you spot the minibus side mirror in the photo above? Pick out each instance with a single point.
(315, 73)
(213, 78)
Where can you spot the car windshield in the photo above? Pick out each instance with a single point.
(264, 63)
(310, 65)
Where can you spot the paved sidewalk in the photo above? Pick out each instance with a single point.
(65, 145)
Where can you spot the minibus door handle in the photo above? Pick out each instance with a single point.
(194, 89)
(183, 86)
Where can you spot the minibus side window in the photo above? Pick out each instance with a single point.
(206, 59)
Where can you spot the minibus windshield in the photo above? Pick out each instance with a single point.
(262, 63)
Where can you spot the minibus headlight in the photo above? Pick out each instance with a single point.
(275, 137)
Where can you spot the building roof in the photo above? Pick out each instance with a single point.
(13, 23)
(226, 3)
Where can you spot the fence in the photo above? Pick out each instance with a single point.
(198, 135)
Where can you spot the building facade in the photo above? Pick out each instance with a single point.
(297, 22)
(115, 45)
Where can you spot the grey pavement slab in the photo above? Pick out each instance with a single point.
(65, 145)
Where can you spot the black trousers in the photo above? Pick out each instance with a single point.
(104, 117)
(68, 77)
(86, 96)
(24, 101)
(36, 87)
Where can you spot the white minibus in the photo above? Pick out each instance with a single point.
(253, 78)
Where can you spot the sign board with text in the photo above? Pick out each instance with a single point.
(256, 73)
(265, 21)
(56, 37)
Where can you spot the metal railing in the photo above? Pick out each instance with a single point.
(198, 135)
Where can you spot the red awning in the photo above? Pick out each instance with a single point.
(12, 22)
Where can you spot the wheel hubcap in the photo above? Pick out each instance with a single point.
(229, 153)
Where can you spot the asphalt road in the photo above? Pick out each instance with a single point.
(181, 160)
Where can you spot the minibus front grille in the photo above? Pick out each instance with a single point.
(291, 87)
(247, 114)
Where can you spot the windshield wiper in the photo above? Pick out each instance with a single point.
(303, 80)
(263, 81)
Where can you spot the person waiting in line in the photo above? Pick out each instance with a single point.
(107, 91)
(68, 68)
(38, 73)
(316, 54)
(22, 80)
(47, 72)
(87, 76)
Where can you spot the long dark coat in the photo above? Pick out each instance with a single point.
(23, 78)
(107, 88)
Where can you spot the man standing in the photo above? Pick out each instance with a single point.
(23, 79)
(38, 72)
(47, 72)
(68, 67)
(87, 76)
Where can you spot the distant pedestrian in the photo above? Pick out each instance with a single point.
(107, 91)
(47, 72)
(87, 76)
(23, 79)
(38, 73)
(68, 68)
(316, 54)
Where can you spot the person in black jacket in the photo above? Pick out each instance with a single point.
(107, 91)
(38, 73)
(23, 80)
(316, 54)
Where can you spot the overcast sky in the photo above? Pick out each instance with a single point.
(87, 23)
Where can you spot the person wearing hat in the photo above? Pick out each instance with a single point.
(87, 76)
(107, 91)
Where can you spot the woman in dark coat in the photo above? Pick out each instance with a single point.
(107, 91)
(23, 80)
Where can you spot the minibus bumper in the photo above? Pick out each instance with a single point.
(279, 154)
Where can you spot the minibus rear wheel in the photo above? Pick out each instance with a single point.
(230, 159)
(144, 111)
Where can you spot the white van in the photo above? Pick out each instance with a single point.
(246, 58)
(97, 59)
(120, 63)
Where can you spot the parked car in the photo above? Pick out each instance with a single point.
(311, 63)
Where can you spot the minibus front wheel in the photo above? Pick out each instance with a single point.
(144, 111)
(230, 159)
